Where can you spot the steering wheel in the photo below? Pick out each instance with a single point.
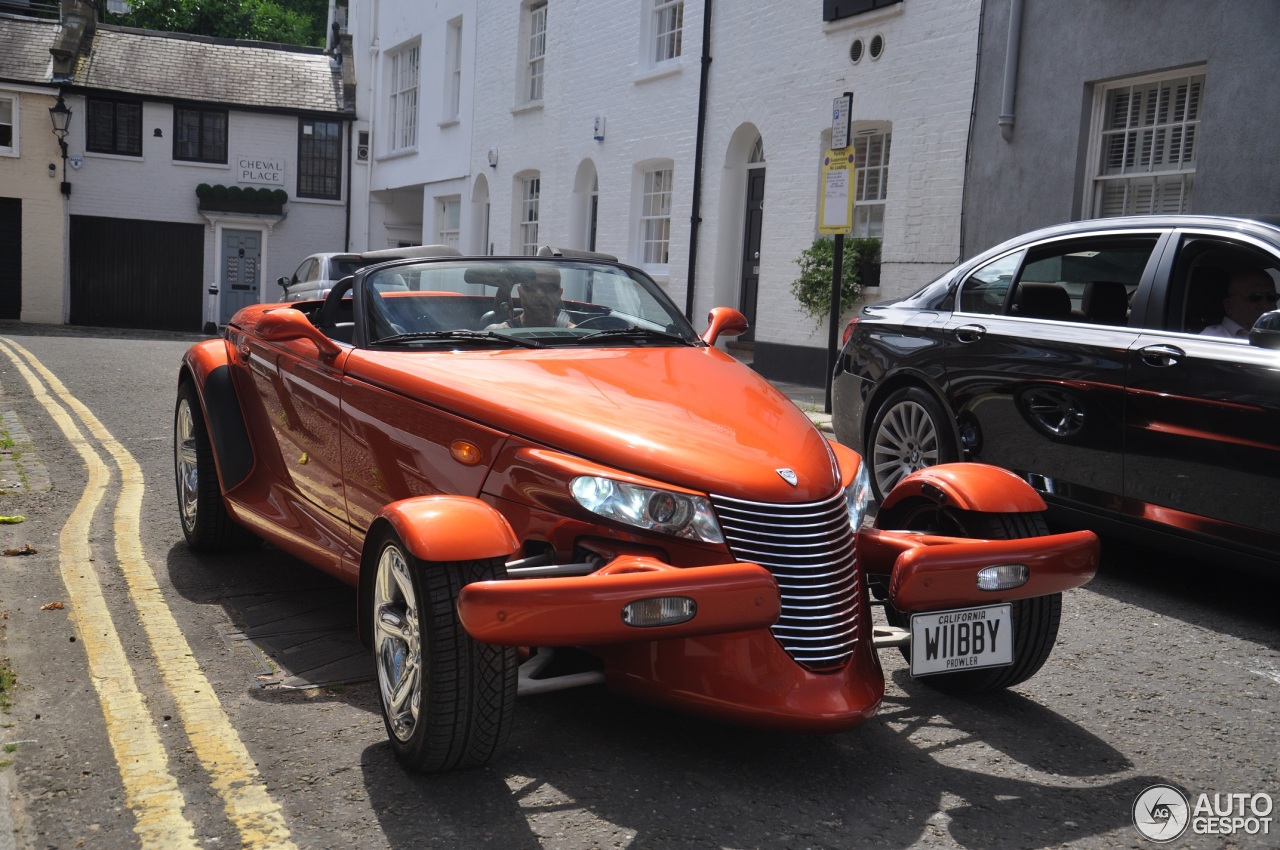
(604, 323)
(331, 309)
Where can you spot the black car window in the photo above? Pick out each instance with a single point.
(1201, 280)
(1082, 279)
(987, 289)
(306, 271)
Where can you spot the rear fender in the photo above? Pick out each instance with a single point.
(207, 364)
(966, 487)
(435, 529)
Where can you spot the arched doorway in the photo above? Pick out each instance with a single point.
(749, 276)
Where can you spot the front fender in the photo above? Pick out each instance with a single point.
(967, 487)
(208, 365)
(450, 528)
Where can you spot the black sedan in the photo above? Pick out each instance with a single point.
(1128, 369)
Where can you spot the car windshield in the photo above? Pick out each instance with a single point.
(486, 301)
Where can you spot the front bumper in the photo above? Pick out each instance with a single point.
(588, 610)
(933, 572)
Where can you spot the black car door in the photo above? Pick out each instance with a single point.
(1040, 341)
(1202, 423)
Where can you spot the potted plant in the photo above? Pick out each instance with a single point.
(241, 199)
(860, 267)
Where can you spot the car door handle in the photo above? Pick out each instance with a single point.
(970, 333)
(1161, 355)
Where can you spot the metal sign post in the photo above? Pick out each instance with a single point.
(836, 217)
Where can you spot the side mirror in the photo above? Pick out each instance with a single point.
(1265, 332)
(284, 283)
(287, 324)
(724, 321)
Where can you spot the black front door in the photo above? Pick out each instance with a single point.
(750, 282)
(10, 258)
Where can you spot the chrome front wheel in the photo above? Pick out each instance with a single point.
(447, 700)
(398, 644)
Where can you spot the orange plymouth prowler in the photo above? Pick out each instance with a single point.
(518, 459)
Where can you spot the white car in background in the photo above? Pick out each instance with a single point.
(317, 274)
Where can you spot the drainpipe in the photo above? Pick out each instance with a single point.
(1011, 69)
(696, 217)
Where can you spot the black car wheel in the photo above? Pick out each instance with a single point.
(1035, 620)
(447, 700)
(910, 431)
(205, 521)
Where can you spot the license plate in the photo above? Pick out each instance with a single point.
(963, 639)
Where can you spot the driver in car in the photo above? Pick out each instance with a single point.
(540, 300)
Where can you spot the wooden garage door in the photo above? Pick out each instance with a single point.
(136, 274)
(10, 258)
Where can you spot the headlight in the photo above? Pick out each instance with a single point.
(857, 496)
(677, 514)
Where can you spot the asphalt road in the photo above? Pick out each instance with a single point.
(1166, 671)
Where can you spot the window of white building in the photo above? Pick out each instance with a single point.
(535, 51)
(531, 188)
(655, 217)
(8, 125)
(668, 29)
(453, 66)
(1143, 145)
(871, 164)
(450, 222)
(403, 106)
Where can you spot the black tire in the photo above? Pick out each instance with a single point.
(447, 700)
(205, 521)
(1035, 620)
(909, 432)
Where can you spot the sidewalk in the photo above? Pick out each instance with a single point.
(809, 399)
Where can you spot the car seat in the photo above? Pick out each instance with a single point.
(1042, 301)
(1105, 302)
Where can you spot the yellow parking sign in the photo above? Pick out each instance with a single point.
(839, 180)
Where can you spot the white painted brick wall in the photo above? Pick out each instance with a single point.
(775, 69)
(155, 187)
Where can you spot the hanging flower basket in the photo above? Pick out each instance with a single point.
(239, 199)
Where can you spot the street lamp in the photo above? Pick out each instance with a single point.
(60, 115)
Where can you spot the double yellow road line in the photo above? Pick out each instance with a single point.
(151, 791)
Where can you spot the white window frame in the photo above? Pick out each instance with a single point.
(15, 112)
(528, 213)
(667, 20)
(449, 221)
(656, 188)
(871, 147)
(1142, 148)
(404, 71)
(534, 51)
(453, 70)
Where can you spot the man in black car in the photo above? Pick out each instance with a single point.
(1250, 293)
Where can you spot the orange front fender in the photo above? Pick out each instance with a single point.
(450, 528)
(967, 487)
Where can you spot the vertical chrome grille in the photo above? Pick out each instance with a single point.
(810, 550)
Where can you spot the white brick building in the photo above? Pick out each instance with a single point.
(153, 117)
(585, 114)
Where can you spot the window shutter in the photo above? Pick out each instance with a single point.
(834, 10)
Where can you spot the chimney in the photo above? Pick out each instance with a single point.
(79, 20)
